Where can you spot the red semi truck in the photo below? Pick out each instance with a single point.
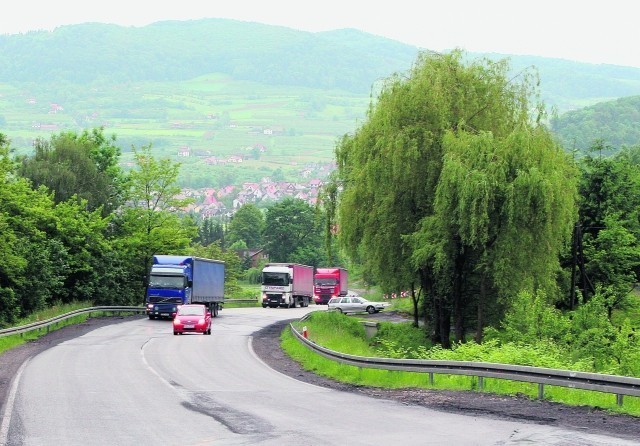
(328, 283)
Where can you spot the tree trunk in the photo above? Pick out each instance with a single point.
(445, 325)
(415, 300)
(574, 266)
(481, 301)
(436, 329)
(458, 307)
(431, 305)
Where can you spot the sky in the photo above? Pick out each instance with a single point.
(593, 32)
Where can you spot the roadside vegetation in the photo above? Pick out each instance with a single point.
(346, 334)
(8, 342)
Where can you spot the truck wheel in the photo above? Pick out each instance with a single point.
(215, 310)
(151, 317)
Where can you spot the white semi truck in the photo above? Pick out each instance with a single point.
(287, 285)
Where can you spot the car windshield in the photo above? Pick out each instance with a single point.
(191, 311)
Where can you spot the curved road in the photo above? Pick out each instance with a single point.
(134, 383)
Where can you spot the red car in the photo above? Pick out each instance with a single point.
(192, 318)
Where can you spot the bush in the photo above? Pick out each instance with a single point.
(404, 334)
(252, 275)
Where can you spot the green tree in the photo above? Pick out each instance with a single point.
(607, 235)
(152, 221)
(84, 166)
(210, 231)
(33, 259)
(292, 228)
(496, 199)
(434, 191)
(81, 233)
(11, 264)
(247, 225)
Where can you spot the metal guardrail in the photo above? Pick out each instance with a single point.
(54, 320)
(241, 300)
(113, 309)
(618, 385)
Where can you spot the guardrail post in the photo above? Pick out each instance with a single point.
(540, 391)
(431, 378)
(619, 399)
(480, 383)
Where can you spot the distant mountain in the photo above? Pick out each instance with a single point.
(568, 85)
(346, 59)
(180, 50)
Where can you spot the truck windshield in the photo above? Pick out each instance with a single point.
(328, 281)
(157, 281)
(281, 279)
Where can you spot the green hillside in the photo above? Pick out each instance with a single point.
(270, 127)
(616, 123)
(176, 51)
(276, 98)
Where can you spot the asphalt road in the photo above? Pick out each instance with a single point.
(134, 383)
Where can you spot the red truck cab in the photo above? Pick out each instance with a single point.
(328, 283)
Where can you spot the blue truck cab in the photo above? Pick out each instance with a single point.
(177, 280)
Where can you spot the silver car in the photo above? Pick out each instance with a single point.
(355, 304)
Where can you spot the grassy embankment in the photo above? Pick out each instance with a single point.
(346, 334)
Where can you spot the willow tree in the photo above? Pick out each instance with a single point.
(420, 189)
(503, 212)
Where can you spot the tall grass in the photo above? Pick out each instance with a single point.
(346, 334)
